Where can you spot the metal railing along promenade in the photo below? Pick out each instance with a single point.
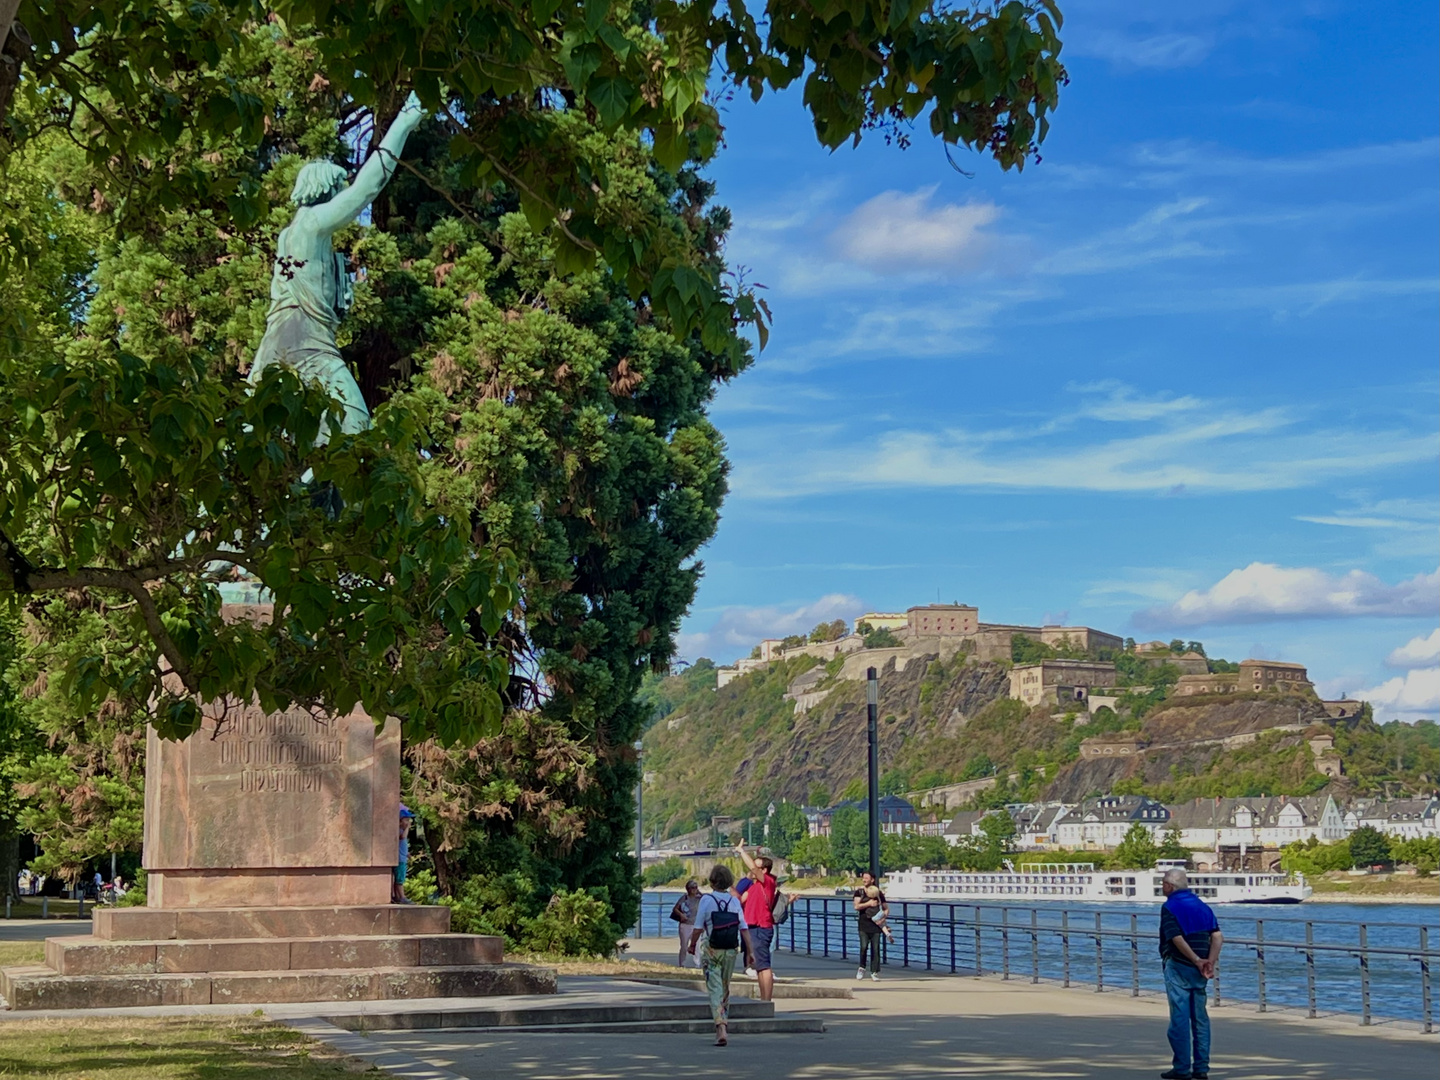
(1376, 970)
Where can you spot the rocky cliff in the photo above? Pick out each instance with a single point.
(1197, 737)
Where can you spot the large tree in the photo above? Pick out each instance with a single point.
(542, 316)
(146, 475)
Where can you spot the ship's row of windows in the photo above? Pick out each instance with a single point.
(1010, 879)
(1012, 890)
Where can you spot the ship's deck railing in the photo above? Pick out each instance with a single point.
(1316, 966)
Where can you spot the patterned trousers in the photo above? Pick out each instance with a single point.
(718, 965)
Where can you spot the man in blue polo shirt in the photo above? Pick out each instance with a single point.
(1190, 948)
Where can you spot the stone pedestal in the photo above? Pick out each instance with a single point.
(275, 809)
(270, 846)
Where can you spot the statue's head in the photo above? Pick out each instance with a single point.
(318, 181)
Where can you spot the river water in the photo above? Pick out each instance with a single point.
(943, 937)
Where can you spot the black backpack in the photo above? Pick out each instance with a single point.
(724, 925)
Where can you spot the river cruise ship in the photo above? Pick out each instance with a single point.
(1082, 883)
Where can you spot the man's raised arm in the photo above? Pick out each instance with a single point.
(345, 207)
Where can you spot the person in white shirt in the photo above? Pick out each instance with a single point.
(719, 932)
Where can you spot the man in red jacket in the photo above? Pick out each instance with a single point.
(757, 896)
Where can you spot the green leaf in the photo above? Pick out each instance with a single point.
(611, 96)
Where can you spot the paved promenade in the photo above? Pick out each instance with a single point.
(909, 1027)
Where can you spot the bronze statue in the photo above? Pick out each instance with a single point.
(310, 288)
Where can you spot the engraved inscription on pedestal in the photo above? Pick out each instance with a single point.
(290, 751)
(284, 807)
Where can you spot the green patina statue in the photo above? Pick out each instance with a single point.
(310, 289)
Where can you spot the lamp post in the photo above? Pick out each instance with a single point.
(640, 836)
(872, 702)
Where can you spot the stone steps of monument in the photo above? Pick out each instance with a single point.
(556, 1014)
(89, 955)
(212, 924)
(36, 987)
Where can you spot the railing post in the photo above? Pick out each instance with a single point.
(1134, 956)
(1260, 961)
(1005, 943)
(904, 935)
(1099, 956)
(825, 930)
(1364, 977)
(1425, 979)
(45, 907)
(1065, 944)
(1310, 967)
(1034, 945)
(927, 936)
(952, 938)
(979, 964)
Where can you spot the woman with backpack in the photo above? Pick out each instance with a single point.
(720, 930)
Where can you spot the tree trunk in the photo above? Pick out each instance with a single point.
(9, 859)
(441, 861)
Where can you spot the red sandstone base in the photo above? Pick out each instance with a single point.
(259, 955)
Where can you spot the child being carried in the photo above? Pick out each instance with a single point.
(879, 915)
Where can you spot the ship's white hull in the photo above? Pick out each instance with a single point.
(1081, 886)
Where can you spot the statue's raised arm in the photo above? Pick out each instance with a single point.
(310, 286)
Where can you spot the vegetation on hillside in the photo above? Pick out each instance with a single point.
(944, 722)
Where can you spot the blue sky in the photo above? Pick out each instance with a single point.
(1179, 379)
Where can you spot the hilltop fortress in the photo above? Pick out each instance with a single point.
(927, 630)
(1082, 679)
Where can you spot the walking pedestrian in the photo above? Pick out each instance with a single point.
(1190, 941)
(721, 924)
(684, 913)
(757, 895)
(867, 906)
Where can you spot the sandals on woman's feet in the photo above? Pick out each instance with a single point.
(720, 1039)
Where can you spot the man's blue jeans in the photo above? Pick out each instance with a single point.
(1189, 1019)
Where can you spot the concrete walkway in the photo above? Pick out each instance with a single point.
(40, 929)
(909, 1027)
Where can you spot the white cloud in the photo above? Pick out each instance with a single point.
(739, 629)
(1410, 696)
(1156, 50)
(1418, 652)
(908, 232)
(1262, 592)
(1190, 447)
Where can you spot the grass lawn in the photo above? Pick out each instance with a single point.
(1378, 885)
(21, 952)
(589, 965)
(237, 1048)
(30, 907)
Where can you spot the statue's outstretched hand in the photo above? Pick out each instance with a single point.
(412, 105)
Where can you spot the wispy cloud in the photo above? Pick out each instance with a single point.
(738, 629)
(1154, 50)
(1186, 448)
(1404, 514)
(1264, 592)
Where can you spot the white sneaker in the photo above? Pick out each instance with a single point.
(859, 973)
(874, 976)
(750, 973)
